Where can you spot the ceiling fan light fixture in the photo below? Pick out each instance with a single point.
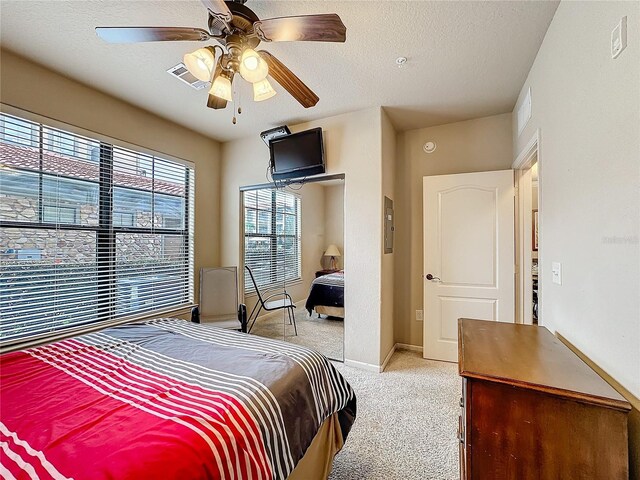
(221, 88)
(200, 63)
(253, 68)
(262, 90)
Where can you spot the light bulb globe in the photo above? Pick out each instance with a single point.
(262, 90)
(200, 64)
(253, 68)
(221, 88)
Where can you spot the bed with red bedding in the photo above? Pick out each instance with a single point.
(165, 399)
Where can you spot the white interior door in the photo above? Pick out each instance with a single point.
(469, 251)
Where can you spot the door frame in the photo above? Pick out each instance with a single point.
(523, 162)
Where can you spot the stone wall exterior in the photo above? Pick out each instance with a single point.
(77, 246)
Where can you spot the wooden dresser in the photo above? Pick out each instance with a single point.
(531, 409)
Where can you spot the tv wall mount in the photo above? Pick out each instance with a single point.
(274, 133)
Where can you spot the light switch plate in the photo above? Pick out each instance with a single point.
(619, 38)
(556, 272)
(419, 316)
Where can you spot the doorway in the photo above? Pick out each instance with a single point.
(528, 233)
(293, 241)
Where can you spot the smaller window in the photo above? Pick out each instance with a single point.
(123, 219)
(174, 223)
(60, 214)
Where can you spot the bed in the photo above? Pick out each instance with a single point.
(326, 295)
(170, 399)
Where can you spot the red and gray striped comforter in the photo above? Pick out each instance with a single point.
(165, 399)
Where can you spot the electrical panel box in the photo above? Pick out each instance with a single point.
(388, 225)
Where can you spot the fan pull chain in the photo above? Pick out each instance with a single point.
(236, 100)
(234, 95)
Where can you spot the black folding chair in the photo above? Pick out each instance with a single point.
(269, 305)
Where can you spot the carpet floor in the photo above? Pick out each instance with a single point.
(324, 335)
(406, 422)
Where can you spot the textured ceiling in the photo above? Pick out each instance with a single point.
(466, 59)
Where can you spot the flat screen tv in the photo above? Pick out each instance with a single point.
(297, 155)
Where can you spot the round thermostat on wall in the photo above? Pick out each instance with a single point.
(429, 147)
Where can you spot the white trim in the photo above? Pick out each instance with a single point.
(386, 360)
(370, 367)
(407, 346)
(522, 161)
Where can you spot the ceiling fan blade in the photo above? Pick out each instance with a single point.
(218, 9)
(151, 34)
(292, 84)
(214, 102)
(305, 28)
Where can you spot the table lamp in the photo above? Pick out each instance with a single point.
(333, 252)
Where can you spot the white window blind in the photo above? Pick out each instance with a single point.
(89, 232)
(271, 237)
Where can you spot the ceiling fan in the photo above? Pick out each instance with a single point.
(239, 31)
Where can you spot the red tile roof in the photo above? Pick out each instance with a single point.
(28, 158)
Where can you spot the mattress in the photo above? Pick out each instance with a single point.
(166, 399)
(327, 290)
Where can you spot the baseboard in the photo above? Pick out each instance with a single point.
(406, 346)
(370, 367)
(388, 357)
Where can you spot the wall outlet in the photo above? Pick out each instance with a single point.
(419, 315)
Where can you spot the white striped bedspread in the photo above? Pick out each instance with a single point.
(165, 399)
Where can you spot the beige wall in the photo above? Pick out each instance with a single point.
(388, 148)
(590, 183)
(352, 147)
(587, 108)
(478, 145)
(33, 88)
(334, 221)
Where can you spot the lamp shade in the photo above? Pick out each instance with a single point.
(332, 251)
(221, 88)
(262, 90)
(252, 67)
(200, 63)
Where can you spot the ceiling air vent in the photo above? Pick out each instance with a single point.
(181, 72)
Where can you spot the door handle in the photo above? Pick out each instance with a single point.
(428, 276)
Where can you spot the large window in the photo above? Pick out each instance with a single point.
(89, 232)
(271, 236)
